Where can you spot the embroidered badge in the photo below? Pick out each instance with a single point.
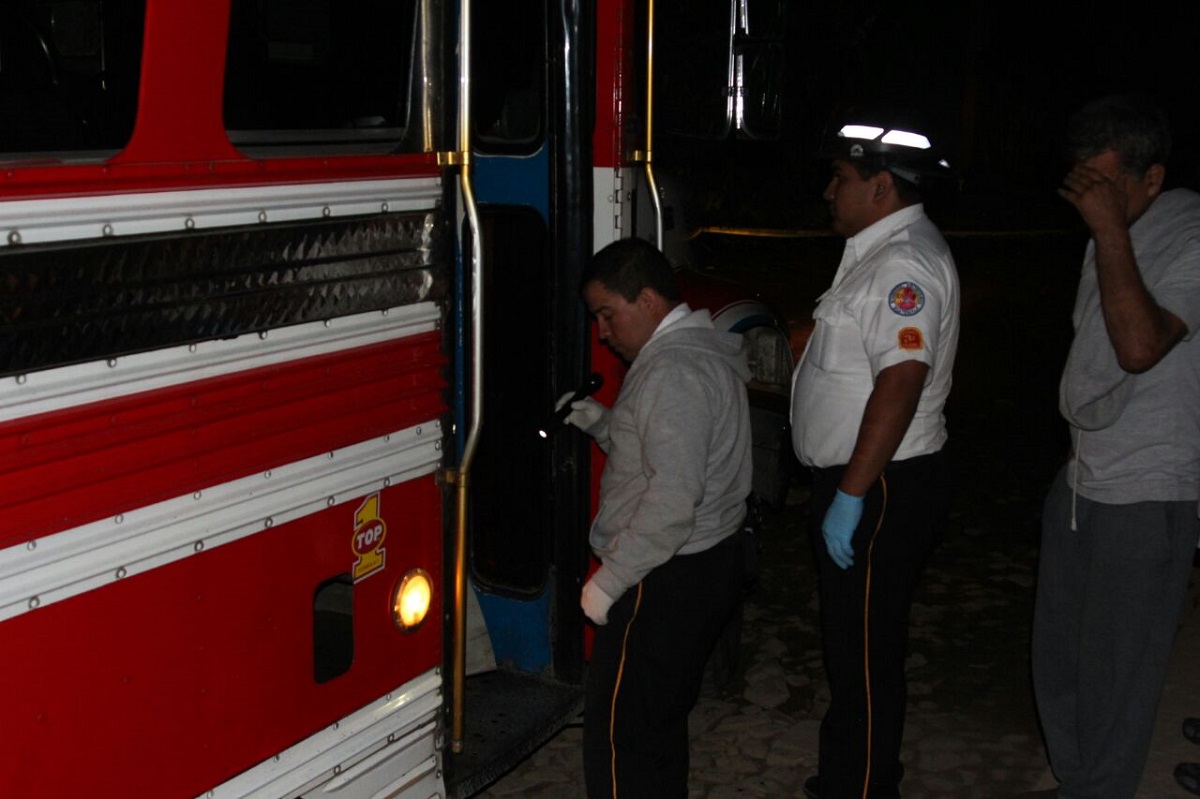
(906, 299)
(911, 339)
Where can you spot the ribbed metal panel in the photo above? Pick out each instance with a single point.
(68, 304)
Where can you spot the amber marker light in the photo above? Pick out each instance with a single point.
(410, 603)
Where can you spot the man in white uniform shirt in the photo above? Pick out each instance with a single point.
(867, 400)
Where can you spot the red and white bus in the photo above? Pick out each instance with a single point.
(286, 289)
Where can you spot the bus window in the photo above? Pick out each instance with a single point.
(765, 19)
(719, 68)
(68, 76)
(693, 69)
(508, 76)
(761, 63)
(318, 75)
(760, 114)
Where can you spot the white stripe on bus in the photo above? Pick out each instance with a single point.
(80, 384)
(50, 569)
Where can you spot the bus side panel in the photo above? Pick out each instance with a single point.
(79, 464)
(200, 551)
(171, 681)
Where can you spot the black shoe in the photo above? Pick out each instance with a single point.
(1188, 776)
(1191, 730)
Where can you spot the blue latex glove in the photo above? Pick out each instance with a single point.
(838, 527)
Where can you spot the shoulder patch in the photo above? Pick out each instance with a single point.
(911, 338)
(906, 299)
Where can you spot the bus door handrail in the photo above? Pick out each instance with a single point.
(461, 479)
(648, 157)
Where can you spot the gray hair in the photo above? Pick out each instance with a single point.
(1132, 125)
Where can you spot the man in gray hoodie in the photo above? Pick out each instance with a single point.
(667, 532)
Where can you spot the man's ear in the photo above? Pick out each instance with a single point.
(884, 185)
(647, 298)
(1155, 176)
(653, 303)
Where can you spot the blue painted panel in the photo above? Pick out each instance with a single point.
(514, 180)
(519, 629)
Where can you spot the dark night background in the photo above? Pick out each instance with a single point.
(997, 79)
(999, 82)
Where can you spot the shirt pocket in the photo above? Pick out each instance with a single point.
(830, 317)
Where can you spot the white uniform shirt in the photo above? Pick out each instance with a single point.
(894, 299)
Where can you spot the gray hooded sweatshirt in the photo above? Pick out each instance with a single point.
(678, 444)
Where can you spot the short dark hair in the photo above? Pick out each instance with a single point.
(1132, 125)
(871, 164)
(629, 265)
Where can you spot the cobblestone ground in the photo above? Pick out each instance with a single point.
(971, 728)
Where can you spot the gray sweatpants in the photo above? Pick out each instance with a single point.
(1109, 596)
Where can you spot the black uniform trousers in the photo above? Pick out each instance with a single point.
(864, 621)
(646, 672)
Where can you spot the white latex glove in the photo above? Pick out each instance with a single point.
(595, 603)
(586, 414)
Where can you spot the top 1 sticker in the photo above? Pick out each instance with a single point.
(906, 299)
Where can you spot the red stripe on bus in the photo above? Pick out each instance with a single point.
(65, 468)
